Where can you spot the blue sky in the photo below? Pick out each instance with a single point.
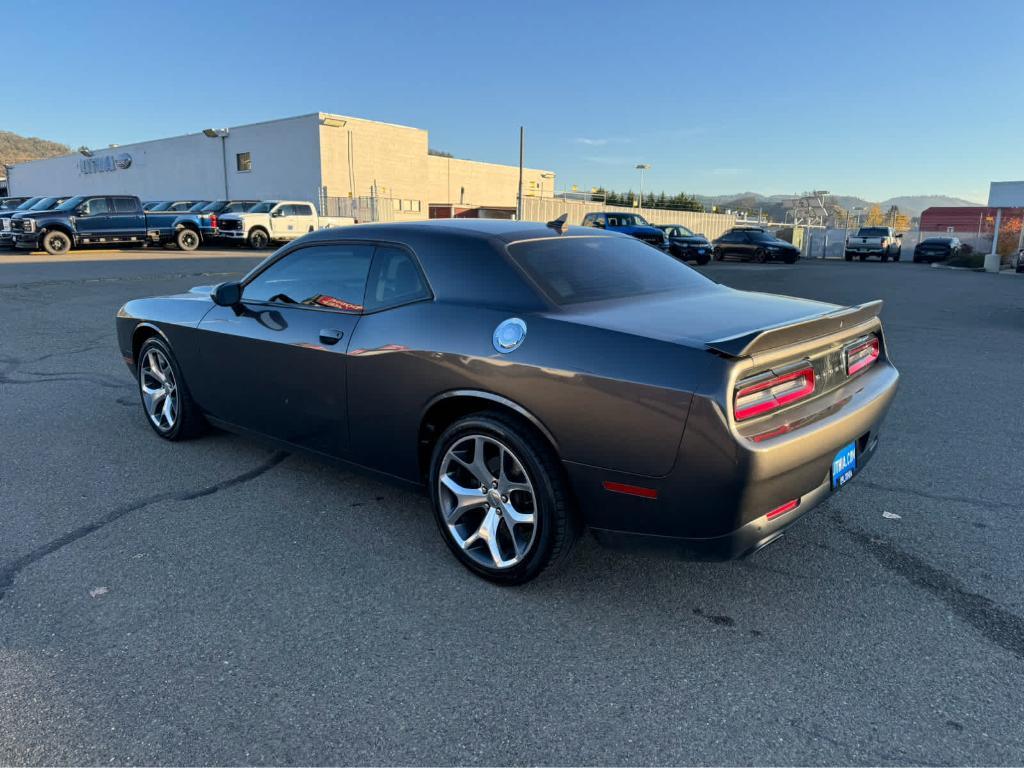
(873, 98)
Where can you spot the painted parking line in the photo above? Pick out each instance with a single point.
(41, 257)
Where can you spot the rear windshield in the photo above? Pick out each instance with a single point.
(873, 232)
(937, 241)
(573, 270)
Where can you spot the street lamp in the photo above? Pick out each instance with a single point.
(222, 134)
(642, 167)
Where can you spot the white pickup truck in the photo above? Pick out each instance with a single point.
(874, 241)
(275, 221)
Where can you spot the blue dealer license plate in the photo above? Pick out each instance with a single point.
(844, 465)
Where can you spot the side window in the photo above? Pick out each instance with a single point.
(733, 237)
(395, 279)
(328, 276)
(588, 220)
(97, 205)
(126, 205)
(302, 210)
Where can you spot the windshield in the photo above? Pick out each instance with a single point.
(873, 232)
(10, 205)
(682, 231)
(71, 203)
(27, 205)
(46, 204)
(263, 207)
(582, 269)
(161, 206)
(239, 206)
(626, 220)
(198, 206)
(215, 207)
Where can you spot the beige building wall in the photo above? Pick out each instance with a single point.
(472, 183)
(357, 154)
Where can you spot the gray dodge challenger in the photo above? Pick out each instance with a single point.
(534, 380)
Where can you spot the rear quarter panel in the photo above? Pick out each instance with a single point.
(608, 399)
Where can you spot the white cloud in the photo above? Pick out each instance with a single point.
(600, 142)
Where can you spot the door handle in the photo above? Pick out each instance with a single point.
(330, 335)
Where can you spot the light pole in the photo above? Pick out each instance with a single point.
(222, 134)
(642, 167)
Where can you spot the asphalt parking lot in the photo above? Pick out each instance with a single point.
(219, 602)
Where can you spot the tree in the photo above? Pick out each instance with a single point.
(875, 217)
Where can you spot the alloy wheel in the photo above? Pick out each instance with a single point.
(159, 390)
(487, 501)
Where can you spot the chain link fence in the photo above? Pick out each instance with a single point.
(711, 225)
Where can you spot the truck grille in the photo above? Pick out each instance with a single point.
(5, 224)
(229, 224)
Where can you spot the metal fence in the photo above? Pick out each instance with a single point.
(711, 225)
(362, 209)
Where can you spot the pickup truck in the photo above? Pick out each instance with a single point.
(41, 204)
(629, 224)
(106, 219)
(8, 208)
(874, 241)
(210, 214)
(275, 221)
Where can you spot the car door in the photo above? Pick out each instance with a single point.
(302, 219)
(282, 222)
(94, 219)
(727, 246)
(277, 362)
(127, 219)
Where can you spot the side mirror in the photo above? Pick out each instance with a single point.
(899, 236)
(278, 213)
(81, 211)
(227, 294)
(599, 223)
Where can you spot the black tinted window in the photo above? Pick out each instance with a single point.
(328, 276)
(579, 269)
(302, 210)
(126, 205)
(394, 279)
(873, 232)
(733, 237)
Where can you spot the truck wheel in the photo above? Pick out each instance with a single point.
(899, 252)
(885, 256)
(702, 260)
(187, 239)
(56, 243)
(863, 257)
(258, 239)
(848, 256)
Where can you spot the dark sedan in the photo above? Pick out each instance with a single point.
(685, 245)
(754, 245)
(937, 249)
(532, 379)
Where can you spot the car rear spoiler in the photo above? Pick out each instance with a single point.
(791, 333)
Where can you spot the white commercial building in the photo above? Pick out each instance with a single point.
(319, 157)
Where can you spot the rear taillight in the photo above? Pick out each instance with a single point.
(213, 220)
(770, 391)
(861, 355)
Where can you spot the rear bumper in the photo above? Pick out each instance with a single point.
(715, 502)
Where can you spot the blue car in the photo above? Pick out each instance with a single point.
(628, 224)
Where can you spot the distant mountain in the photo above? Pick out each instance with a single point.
(772, 205)
(19, 149)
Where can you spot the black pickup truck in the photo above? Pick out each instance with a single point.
(102, 220)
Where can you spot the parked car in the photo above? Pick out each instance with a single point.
(628, 224)
(754, 244)
(275, 221)
(6, 230)
(685, 245)
(183, 229)
(7, 215)
(10, 203)
(95, 219)
(149, 205)
(883, 242)
(1018, 262)
(175, 206)
(210, 213)
(937, 249)
(602, 383)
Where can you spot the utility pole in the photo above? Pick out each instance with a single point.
(642, 167)
(519, 197)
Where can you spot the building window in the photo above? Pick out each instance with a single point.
(409, 205)
(243, 162)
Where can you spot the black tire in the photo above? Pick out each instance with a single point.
(863, 257)
(258, 238)
(702, 260)
(189, 421)
(760, 256)
(848, 256)
(791, 259)
(899, 253)
(557, 526)
(55, 243)
(187, 239)
(885, 256)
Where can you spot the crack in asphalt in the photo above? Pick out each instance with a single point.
(9, 572)
(939, 496)
(994, 622)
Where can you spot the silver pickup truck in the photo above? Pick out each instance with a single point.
(874, 241)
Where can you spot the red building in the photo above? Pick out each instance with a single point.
(966, 220)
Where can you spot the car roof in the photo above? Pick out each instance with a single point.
(504, 230)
